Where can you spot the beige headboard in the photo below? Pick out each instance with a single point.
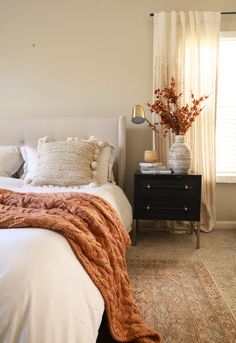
(28, 131)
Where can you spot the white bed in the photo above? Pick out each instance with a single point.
(45, 294)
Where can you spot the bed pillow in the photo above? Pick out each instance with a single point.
(104, 156)
(64, 163)
(29, 155)
(104, 170)
(102, 164)
(10, 160)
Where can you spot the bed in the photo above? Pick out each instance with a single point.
(46, 294)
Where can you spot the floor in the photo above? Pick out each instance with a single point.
(217, 251)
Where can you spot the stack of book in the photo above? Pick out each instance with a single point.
(153, 168)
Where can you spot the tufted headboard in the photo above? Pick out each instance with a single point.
(28, 131)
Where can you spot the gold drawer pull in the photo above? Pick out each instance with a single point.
(187, 187)
(185, 208)
(149, 187)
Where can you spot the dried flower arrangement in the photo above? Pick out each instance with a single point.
(174, 117)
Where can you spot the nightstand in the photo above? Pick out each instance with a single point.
(168, 197)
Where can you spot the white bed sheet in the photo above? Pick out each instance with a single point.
(45, 294)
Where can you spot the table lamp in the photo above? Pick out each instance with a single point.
(138, 117)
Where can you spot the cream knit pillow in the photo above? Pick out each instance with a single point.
(64, 163)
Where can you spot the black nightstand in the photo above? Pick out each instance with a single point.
(168, 197)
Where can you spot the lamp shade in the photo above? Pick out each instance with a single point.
(138, 114)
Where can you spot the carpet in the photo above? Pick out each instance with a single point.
(181, 301)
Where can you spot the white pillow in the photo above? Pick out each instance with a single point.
(105, 164)
(104, 156)
(64, 163)
(10, 160)
(3, 173)
(29, 154)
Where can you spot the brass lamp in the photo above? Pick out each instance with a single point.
(138, 117)
(138, 114)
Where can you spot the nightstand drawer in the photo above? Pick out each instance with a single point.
(174, 186)
(167, 208)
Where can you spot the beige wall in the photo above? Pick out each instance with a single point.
(93, 57)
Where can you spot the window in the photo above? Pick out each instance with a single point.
(226, 110)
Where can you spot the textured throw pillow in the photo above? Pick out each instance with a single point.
(29, 155)
(64, 163)
(10, 160)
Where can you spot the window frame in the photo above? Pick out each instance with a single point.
(225, 177)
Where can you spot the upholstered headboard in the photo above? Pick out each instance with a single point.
(28, 131)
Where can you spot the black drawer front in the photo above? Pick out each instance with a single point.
(181, 187)
(168, 209)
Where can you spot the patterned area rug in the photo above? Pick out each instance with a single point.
(180, 300)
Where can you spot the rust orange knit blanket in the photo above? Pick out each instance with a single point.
(99, 241)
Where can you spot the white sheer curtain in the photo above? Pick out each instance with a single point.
(186, 47)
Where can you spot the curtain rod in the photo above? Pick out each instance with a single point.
(152, 14)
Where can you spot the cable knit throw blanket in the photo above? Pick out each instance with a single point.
(99, 241)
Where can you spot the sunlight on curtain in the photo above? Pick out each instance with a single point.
(186, 47)
(226, 110)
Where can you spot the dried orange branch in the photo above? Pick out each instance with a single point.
(174, 117)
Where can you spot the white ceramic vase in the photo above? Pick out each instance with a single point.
(179, 156)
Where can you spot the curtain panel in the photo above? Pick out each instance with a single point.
(186, 47)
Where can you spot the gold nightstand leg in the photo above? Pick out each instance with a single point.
(198, 235)
(197, 232)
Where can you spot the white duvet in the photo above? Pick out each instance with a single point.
(45, 294)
